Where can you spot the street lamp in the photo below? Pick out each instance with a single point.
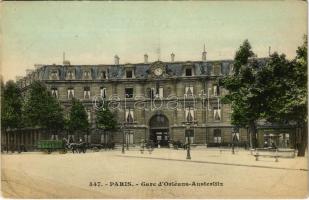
(123, 138)
(127, 141)
(235, 137)
(188, 126)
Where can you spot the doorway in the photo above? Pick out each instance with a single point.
(159, 130)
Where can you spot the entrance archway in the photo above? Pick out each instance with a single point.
(159, 130)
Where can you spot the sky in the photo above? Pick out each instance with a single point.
(94, 32)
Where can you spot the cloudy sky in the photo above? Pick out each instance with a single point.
(93, 32)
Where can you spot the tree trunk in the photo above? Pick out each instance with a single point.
(303, 143)
(253, 131)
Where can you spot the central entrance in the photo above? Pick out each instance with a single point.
(159, 128)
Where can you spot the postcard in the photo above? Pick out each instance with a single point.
(154, 100)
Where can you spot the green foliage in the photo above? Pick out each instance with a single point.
(11, 106)
(276, 91)
(106, 119)
(78, 117)
(242, 56)
(42, 109)
(244, 95)
(286, 87)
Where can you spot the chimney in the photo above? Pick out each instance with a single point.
(28, 71)
(172, 57)
(204, 55)
(116, 60)
(145, 58)
(64, 61)
(37, 66)
(18, 78)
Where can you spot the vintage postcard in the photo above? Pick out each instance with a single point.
(154, 100)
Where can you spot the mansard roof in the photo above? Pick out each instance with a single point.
(141, 70)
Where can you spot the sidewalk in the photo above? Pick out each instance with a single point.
(214, 156)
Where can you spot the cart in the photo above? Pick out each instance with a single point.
(49, 146)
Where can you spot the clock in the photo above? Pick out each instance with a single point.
(158, 71)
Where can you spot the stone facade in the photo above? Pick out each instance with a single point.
(159, 101)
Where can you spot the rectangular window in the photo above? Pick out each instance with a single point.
(104, 138)
(217, 136)
(128, 92)
(189, 134)
(88, 115)
(70, 93)
(129, 137)
(129, 116)
(189, 113)
(87, 138)
(189, 72)
(54, 92)
(86, 92)
(189, 91)
(217, 113)
(129, 74)
(103, 92)
(161, 92)
(153, 93)
(216, 90)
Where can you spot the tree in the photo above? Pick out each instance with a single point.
(78, 121)
(276, 91)
(42, 109)
(286, 83)
(11, 107)
(105, 120)
(245, 98)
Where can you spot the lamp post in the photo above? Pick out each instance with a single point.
(234, 138)
(188, 125)
(127, 139)
(105, 138)
(123, 138)
(128, 122)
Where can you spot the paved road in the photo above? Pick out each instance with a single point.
(162, 174)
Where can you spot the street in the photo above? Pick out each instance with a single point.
(165, 173)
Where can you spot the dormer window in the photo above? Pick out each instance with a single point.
(129, 74)
(189, 72)
(54, 75)
(87, 74)
(70, 75)
(217, 70)
(103, 75)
